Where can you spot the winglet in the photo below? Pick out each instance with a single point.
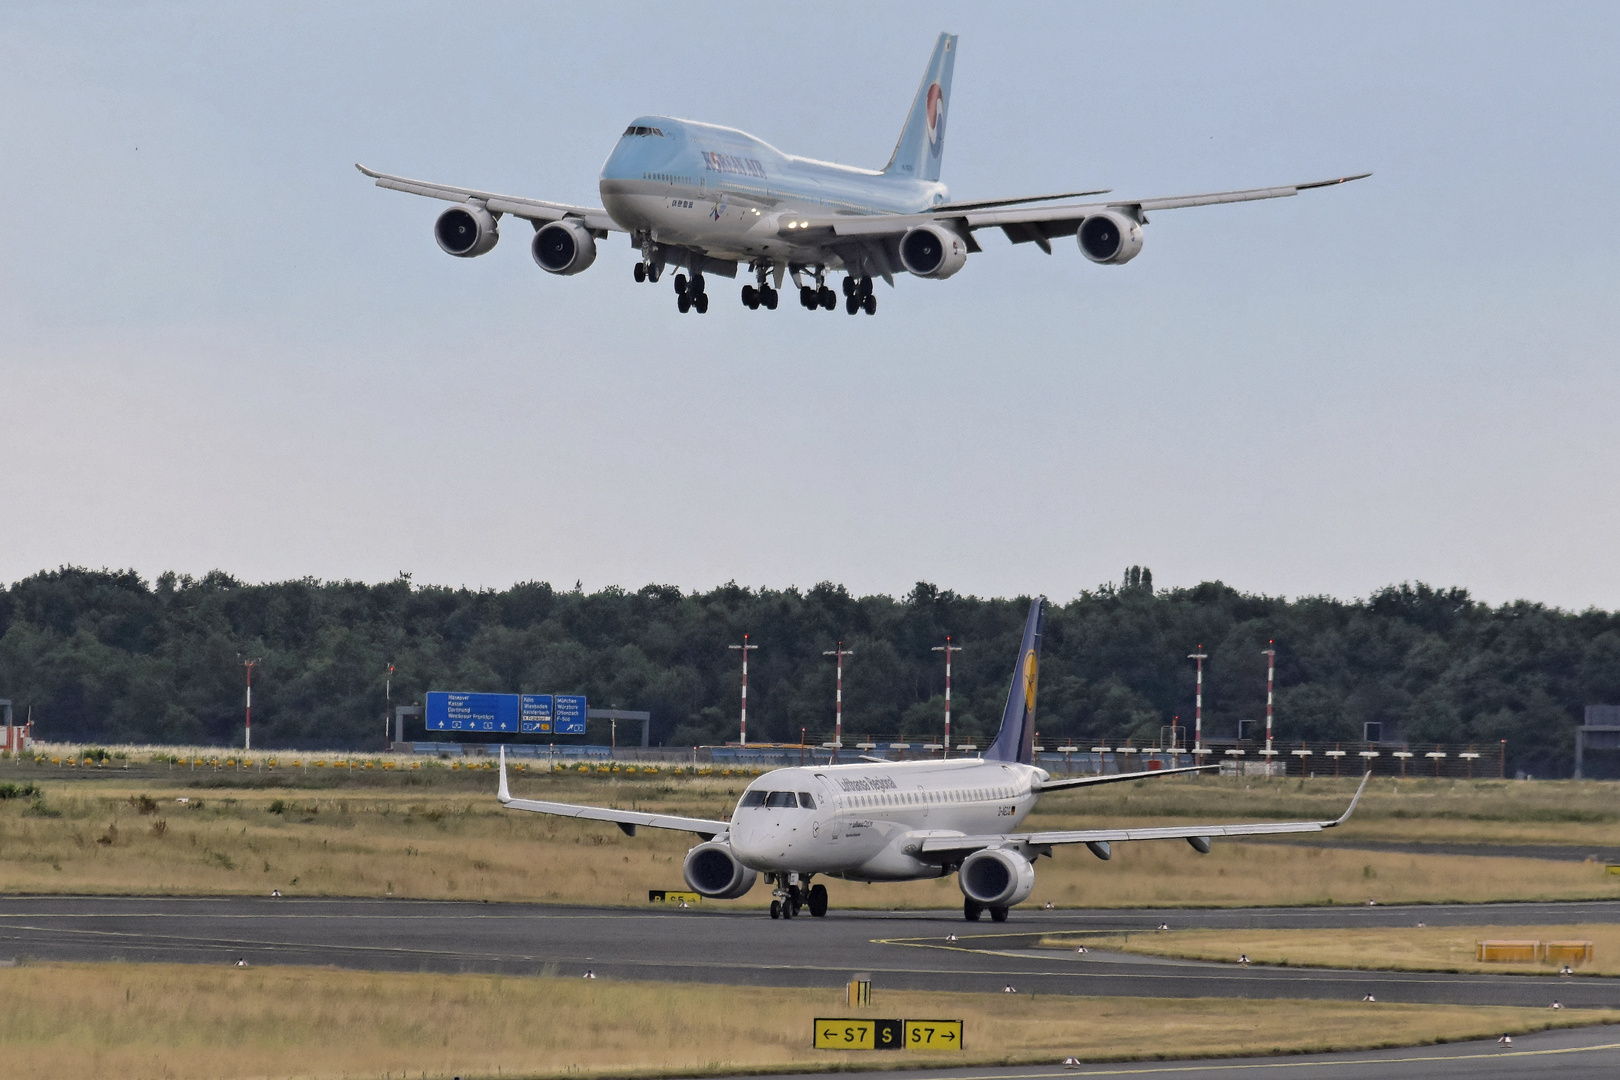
(505, 793)
(1344, 817)
(366, 171)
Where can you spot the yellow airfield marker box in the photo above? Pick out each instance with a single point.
(847, 1033)
(670, 896)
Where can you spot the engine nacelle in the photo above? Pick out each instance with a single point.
(995, 877)
(1109, 237)
(466, 230)
(933, 250)
(713, 871)
(563, 247)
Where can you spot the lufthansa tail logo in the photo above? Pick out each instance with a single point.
(1029, 680)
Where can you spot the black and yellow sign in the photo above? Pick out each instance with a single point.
(844, 1033)
(670, 896)
(933, 1034)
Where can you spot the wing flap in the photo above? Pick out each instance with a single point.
(594, 217)
(1166, 832)
(701, 826)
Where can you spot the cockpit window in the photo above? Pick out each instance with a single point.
(753, 798)
(639, 129)
(806, 801)
(781, 799)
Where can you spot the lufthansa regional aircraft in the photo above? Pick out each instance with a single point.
(904, 820)
(708, 200)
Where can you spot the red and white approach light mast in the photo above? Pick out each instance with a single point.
(1270, 653)
(1198, 703)
(838, 704)
(247, 727)
(746, 649)
(947, 649)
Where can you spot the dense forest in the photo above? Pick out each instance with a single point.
(108, 656)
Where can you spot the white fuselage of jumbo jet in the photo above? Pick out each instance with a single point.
(865, 822)
(736, 196)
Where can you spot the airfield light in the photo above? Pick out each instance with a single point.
(947, 649)
(838, 701)
(1198, 702)
(746, 649)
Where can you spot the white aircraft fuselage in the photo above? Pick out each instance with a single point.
(866, 821)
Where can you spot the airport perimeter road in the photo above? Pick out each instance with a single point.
(1583, 1054)
(907, 950)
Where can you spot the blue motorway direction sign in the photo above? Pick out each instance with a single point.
(570, 714)
(452, 711)
(534, 714)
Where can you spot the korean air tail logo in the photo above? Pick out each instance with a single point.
(936, 118)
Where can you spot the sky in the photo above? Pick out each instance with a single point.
(221, 347)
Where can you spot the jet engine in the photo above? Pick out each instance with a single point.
(996, 878)
(1109, 237)
(564, 247)
(933, 250)
(713, 871)
(466, 230)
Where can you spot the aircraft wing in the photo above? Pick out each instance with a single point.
(1169, 832)
(594, 217)
(1025, 224)
(627, 820)
(1117, 778)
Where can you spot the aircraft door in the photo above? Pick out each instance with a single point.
(922, 797)
(828, 821)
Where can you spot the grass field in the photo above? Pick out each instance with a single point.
(1441, 948)
(132, 1022)
(438, 833)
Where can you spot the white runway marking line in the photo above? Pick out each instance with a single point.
(1301, 1063)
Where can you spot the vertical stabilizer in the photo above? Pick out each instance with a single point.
(922, 140)
(1016, 739)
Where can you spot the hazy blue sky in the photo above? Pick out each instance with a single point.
(222, 347)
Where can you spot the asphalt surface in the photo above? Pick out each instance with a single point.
(1554, 852)
(1582, 1054)
(901, 950)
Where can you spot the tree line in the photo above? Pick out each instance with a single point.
(105, 655)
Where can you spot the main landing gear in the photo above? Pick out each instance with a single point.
(792, 896)
(811, 297)
(690, 294)
(971, 912)
(858, 295)
(754, 297)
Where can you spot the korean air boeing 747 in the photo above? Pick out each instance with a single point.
(881, 820)
(708, 200)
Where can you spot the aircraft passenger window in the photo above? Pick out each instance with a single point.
(780, 799)
(806, 801)
(753, 798)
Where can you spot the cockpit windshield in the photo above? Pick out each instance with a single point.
(639, 129)
(781, 799)
(753, 798)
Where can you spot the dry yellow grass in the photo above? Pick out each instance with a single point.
(1440, 948)
(131, 1022)
(450, 840)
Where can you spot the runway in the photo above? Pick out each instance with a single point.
(1581, 1054)
(901, 950)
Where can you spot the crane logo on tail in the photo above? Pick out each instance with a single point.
(936, 117)
(1029, 680)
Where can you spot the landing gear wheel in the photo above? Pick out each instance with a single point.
(849, 285)
(750, 298)
(702, 303)
(971, 911)
(683, 303)
(828, 299)
(998, 914)
(652, 274)
(768, 297)
(852, 303)
(776, 909)
(818, 901)
(869, 304)
(808, 299)
(680, 284)
(641, 272)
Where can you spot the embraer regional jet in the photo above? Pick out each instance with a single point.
(708, 199)
(904, 820)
